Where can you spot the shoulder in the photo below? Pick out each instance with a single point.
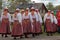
(24, 14)
(46, 14)
(54, 16)
(29, 13)
(35, 13)
(8, 14)
(50, 14)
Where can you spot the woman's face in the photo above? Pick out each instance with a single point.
(5, 12)
(32, 11)
(15, 13)
(26, 12)
(22, 12)
(48, 11)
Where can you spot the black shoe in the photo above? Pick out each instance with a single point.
(47, 34)
(6, 36)
(2, 35)
(33, 35)
(14, 37)
(51, 34)
(21, 37)
(26, 36)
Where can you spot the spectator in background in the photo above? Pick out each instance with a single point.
(58, 19)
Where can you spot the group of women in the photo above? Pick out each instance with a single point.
(28, 21)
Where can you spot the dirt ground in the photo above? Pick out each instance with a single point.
(40, 37)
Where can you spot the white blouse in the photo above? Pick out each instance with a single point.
(33, 16)
(26, 17)
(48, 17)
(18, 17)
(55, 20)
(8, 16)
(39, 17)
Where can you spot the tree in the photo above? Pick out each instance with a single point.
(0, 7)
(0, 4)
(14, 3)
(50, 6)
(57, 7)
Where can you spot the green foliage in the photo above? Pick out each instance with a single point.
(57, 7)
(50, 6)
(14, 3)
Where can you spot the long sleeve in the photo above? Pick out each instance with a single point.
(45, 17)
(23, 16)
(19, 18)
(36, 17)
(9, 17)
(55, 20)
(40, 18)
(31, 18)
(51, 18)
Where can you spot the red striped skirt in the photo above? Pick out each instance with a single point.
(17, 29)
(49, 27)
(33, 26)
(26, 26)
(54, 27)
(5, 29)
(38, 28)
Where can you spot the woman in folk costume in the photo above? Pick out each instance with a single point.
(34, 20)
(26, 23)
(54, 23)
(39, 23)
(17, 30)
(48, 21)
(5, 22)
(58, 19)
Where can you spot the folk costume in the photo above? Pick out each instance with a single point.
(5, 23)
(26, 23)
(48, 21)
(34, 20)
(58, 19)
(39, 23)
(54, 23)
(17, 30)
